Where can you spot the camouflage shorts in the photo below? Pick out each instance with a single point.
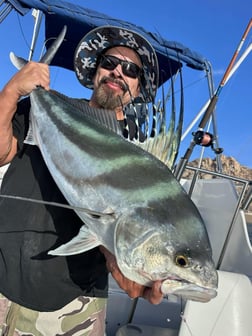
(83, 316)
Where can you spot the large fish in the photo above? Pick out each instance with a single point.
(128, 199)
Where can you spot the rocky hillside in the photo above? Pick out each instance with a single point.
(229, 166)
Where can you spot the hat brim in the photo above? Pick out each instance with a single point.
(93, 44)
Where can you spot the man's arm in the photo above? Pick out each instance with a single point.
(21, 84)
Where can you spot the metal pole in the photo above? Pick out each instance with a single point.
(38, 17)
(213, 102)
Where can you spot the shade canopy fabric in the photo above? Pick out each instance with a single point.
(79, 20)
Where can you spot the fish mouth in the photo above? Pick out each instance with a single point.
(188, 290)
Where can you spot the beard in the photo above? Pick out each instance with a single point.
(107, 98)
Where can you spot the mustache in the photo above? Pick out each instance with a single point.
(124, 86)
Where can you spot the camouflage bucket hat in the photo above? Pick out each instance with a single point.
(95, 42)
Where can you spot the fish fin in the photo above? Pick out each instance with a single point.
(157, 131)
(18, 62)
(29, 139)
(162, 136)
(84, 241)
(157, 146)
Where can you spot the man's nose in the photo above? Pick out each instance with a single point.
(117, 71)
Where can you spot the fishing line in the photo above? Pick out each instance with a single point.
(61, 205)
(22, 32)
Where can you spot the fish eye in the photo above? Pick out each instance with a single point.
(181, 260)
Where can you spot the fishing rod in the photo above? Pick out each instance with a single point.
(234, 69)
(198, 135)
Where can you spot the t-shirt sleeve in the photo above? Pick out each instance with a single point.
(20, 122)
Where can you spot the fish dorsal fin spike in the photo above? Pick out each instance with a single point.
(158, 138)
(135, 115)
(157, 146)
(106, 118)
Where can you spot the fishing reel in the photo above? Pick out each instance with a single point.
(206, 139)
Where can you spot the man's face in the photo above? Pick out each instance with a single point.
(114, 88)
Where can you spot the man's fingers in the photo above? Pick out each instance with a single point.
(153, 294)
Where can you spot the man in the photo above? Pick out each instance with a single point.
(50, 295)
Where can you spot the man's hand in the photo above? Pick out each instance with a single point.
(134, 290)
(33, 74)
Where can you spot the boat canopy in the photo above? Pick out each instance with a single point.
(79, 20)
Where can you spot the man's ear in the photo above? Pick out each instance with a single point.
(93, 76)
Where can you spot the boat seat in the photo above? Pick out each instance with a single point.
(216, 200)
(238, 254)
(229, 314)
(134, 315)
(144, 330)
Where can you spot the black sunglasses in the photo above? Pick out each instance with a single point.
(129, 69)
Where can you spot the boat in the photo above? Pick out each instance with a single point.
(224, 209)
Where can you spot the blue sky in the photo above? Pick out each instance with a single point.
(212, 28)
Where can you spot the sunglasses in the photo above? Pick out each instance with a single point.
(129, 69)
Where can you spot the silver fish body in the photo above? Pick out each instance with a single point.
(139, 211)
(132, 204)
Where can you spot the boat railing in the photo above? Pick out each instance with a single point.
(245, 195)
(223, 201)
